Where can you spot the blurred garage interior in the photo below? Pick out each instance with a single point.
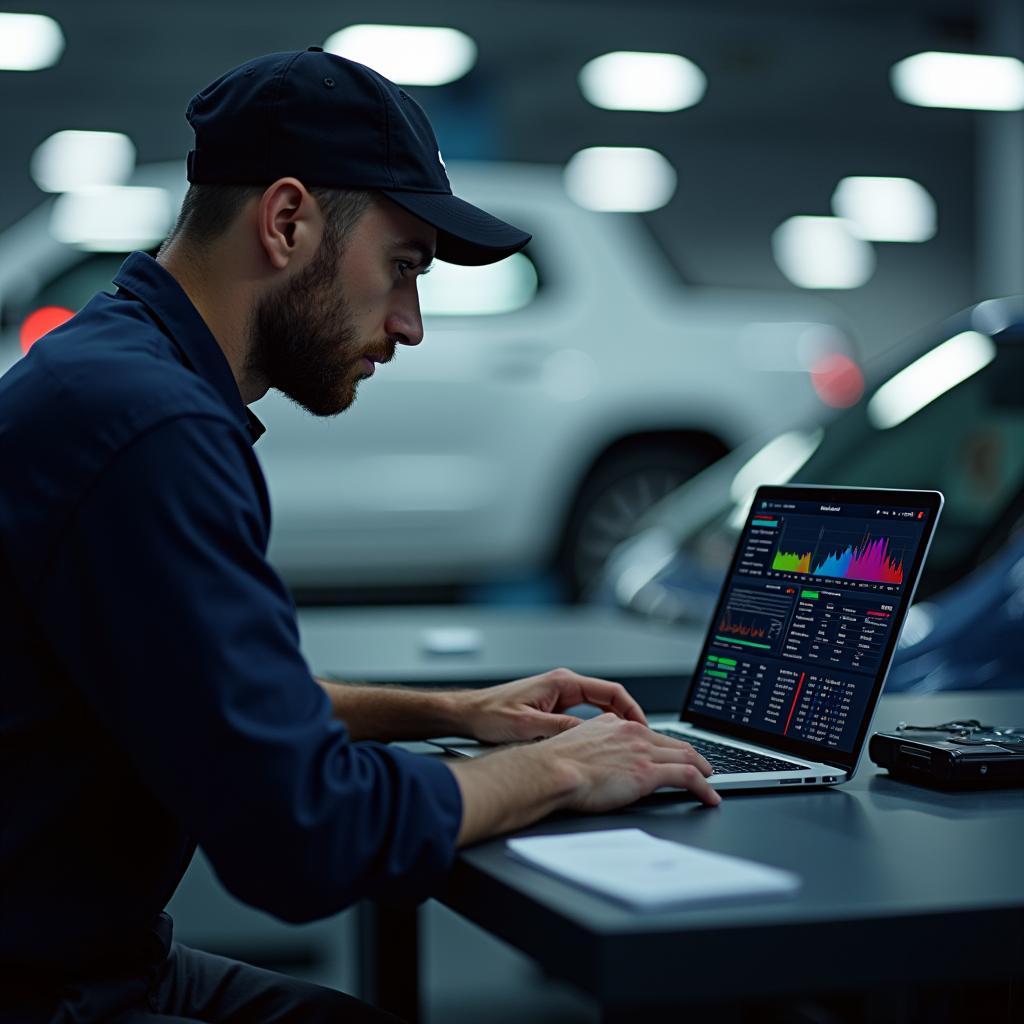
(770, 205)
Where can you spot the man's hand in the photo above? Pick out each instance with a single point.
(531, 709)
(602, 764)
(615, 762)
(527, 709)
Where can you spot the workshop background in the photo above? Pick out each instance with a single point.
(771, 196)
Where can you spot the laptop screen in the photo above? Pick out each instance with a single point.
(807, 622)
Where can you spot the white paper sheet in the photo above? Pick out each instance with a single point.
(633, 867)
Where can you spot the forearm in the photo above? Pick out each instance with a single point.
(509, 789)
(394, 713)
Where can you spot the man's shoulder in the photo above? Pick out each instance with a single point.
(93, 388)
(113, 364)
(83, 399)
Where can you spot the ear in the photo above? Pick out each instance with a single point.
(289, 222)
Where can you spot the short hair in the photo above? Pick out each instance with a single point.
(207, 211)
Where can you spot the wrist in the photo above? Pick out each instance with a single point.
(512, 788)
(454, 712)
(557, 781)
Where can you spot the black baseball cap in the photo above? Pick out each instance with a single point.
(334, 123)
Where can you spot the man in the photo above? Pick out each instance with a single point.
(153, 692)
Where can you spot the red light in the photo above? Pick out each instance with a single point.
(41, 322)
(837, 380)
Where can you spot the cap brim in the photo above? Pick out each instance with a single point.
(465, 234)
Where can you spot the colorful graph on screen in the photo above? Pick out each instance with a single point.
(870, 561)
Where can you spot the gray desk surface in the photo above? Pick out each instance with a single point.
(393, 645)
(900, 884)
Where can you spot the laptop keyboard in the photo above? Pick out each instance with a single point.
(727, 760)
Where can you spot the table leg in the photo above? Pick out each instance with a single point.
(389, 958)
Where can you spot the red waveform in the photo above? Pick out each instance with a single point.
(739, 628)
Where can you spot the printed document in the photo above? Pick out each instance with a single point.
(647, 873)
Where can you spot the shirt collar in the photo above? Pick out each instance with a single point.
(143, 278)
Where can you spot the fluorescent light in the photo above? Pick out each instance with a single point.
(74, 159)
(29, 42)
(407, 54)
(628, 80)
(967, 81)
(450, 290)
(620, 178)
(112, 218)
(822, 252)
(885, 209)
(925, 379)
(775, 463)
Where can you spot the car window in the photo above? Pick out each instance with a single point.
(448, 290)
(503, 287)
(968, 443)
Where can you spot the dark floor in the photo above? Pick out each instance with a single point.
(467, 975)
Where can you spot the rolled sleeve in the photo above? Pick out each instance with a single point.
(183, 641)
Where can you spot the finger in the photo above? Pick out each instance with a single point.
(540, 724)
(681, 754)
(686, 776)
(610, 696)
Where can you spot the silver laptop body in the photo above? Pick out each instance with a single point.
(803, 634)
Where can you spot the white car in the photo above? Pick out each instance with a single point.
(556, 397)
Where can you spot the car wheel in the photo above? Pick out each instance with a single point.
(612, 501)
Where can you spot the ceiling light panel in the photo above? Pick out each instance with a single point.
(967, 81)
(76, 159)
(29, 42)
(112, 219)
(886, 209)
(822, 252)
(620, 178)
(631, 80)
(407, 54)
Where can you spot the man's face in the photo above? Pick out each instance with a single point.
(318, 334)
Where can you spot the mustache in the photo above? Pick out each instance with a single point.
(383, 356)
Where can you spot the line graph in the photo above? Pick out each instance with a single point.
(753, 618)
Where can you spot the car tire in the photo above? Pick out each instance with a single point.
(613, 499)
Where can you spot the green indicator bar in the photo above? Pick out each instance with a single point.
(726, 661)
(711, 657)
(765, 522)
(745, 643)
(812, 594)
(717, 675)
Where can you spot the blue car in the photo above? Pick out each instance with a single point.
(945, 411)
(971, 636)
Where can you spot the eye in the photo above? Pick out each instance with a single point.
(406, 267)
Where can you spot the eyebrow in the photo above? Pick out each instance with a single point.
(422, 249)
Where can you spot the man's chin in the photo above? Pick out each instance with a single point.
(325, 406)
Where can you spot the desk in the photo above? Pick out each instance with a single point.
(654, 660)
(902, 886)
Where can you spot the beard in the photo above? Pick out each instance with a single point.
(303, 341)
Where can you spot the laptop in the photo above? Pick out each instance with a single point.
(803, 634)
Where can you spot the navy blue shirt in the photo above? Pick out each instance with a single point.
(152, 691)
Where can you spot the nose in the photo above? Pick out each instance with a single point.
(404, 323)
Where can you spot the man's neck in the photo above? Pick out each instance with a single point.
(224, 307)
